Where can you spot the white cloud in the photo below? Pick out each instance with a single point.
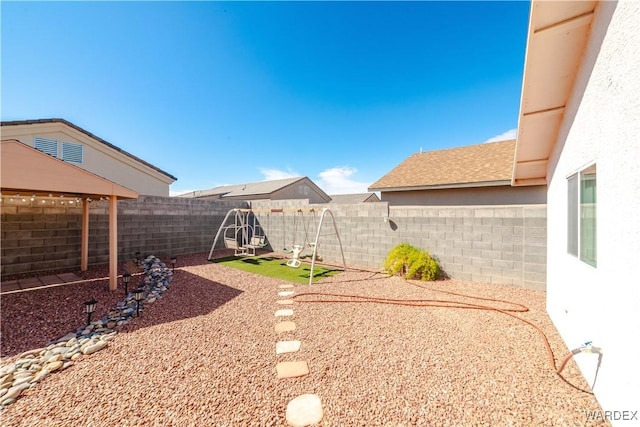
(271, 174)
(339, 180)
(510, 134)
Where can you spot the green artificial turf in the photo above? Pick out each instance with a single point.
(274, 267)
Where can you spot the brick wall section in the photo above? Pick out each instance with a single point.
(504, 245)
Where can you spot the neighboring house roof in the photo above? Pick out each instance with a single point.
(558, 33)
(89, 134)
(354, 198)
(481, 165)
(261, 188)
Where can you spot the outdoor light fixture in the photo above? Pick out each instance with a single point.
(137, 258)
(137, 295)
(174, 260)
(89, 308)
(125, 279)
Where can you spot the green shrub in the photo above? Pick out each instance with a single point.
(411, 263)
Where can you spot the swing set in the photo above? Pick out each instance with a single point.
(241, 231)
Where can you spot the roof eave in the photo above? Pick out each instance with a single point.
(499, 183)
(558, 32)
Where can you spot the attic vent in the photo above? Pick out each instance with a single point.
(48, 146)
(72, 152)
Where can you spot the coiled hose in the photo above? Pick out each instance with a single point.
(516, 308)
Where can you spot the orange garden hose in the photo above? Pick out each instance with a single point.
(516, 308)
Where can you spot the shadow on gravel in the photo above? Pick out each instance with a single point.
(188, 296)
(29, 320)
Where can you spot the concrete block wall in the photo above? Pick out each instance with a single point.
(495, 244)
(38, 238)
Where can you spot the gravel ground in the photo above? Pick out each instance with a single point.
(204, 354)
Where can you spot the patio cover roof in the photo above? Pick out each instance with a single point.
(25, 169)
(558, 32)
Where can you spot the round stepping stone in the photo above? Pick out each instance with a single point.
(299, 368)
(285, 286)
(285, 327)
(304, 410)
(287, 346)
(284, 312)
(284, 301)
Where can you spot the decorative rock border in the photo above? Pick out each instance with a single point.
(35, 365)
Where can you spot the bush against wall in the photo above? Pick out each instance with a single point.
(411, 262)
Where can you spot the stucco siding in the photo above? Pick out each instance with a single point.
(602, 126)
(98, 158)
(500, 195)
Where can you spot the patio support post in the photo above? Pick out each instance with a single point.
(113, 243)
(84, 243)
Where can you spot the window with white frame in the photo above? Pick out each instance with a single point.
(581, 219)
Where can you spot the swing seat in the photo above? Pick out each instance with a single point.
(230, 243)
(295, 263)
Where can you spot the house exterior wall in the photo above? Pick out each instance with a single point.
(499, 195)
(602, 126)
(98, 158)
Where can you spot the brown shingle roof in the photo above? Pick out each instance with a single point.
(475, 165)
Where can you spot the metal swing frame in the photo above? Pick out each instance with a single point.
(245, 238)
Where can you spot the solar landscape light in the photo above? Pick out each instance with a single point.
(137, 254)
(137, 295)
(126, 277)
(89, 308)
(174, 261)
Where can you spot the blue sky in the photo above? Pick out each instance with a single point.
(225, 93)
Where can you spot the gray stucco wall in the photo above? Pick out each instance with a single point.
(496, 244)
(476, 196)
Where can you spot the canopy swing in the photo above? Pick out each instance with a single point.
(244, 233)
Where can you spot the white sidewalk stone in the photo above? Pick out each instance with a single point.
(287, 346)
(284, 312)
(285, 293)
